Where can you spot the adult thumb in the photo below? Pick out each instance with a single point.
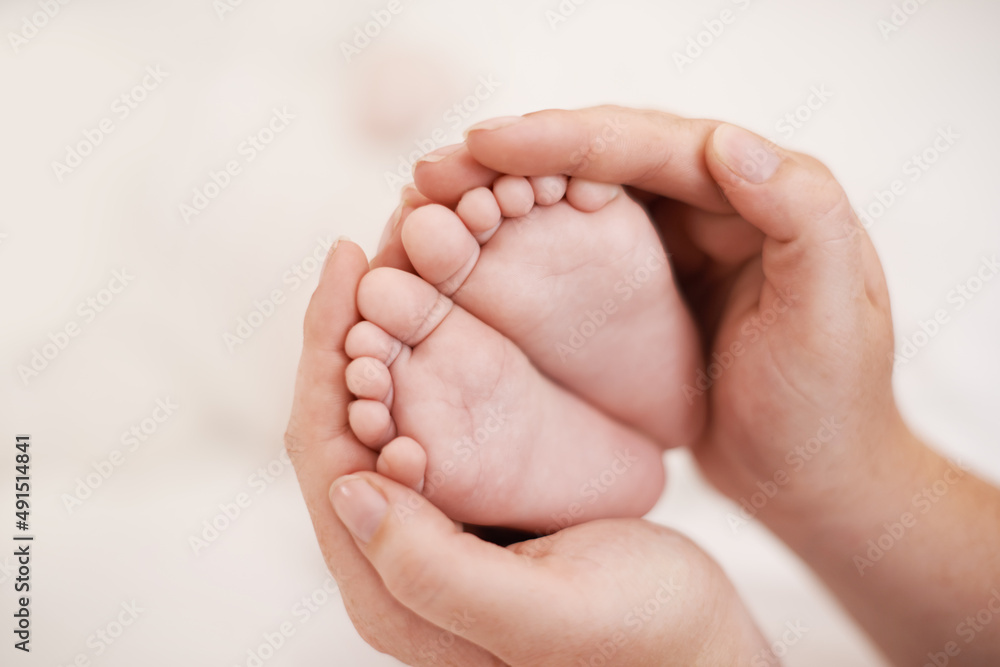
(471, 588)
(816, 251)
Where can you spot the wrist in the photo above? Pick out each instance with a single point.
(870, 477)
(908, 546)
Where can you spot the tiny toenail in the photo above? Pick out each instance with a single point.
(439, 154)
(494, 124)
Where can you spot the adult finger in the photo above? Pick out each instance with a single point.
(323, 448)
(477, 590)
(650, 150)
(461, 172)
(815, 244)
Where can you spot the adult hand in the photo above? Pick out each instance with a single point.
(323, 447)
(609, 592)
(782, 278)
(803, 429)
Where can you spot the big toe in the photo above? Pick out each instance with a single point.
(442, 249)
(402, 304)
(404, 461)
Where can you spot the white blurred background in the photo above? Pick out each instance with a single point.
(224, 67)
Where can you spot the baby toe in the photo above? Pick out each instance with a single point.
(403, 460)
(590, 196)
(480, 212)
(369, 378)
(402, 304)
(514, 195)
(369, 340)
(371, 423)
(440, 246)
(548, 190)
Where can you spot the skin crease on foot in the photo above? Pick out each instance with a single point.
(500, 444)
(749, 224)
(406, 579)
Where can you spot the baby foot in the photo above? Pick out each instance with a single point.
(575, 276)
(499, 443)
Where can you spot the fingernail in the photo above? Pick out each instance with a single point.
(360, 506)
(746, 154)
(438, 155)
(329, 253)
(390, 227)
(494, 124)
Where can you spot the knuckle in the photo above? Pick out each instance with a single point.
(294, 445)
(833, 209)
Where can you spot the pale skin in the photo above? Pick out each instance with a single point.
(419, 588)
(781, 246)
(513, 358)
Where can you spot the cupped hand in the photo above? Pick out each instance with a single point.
(609, 592)
(416, 586)
(780, 274)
